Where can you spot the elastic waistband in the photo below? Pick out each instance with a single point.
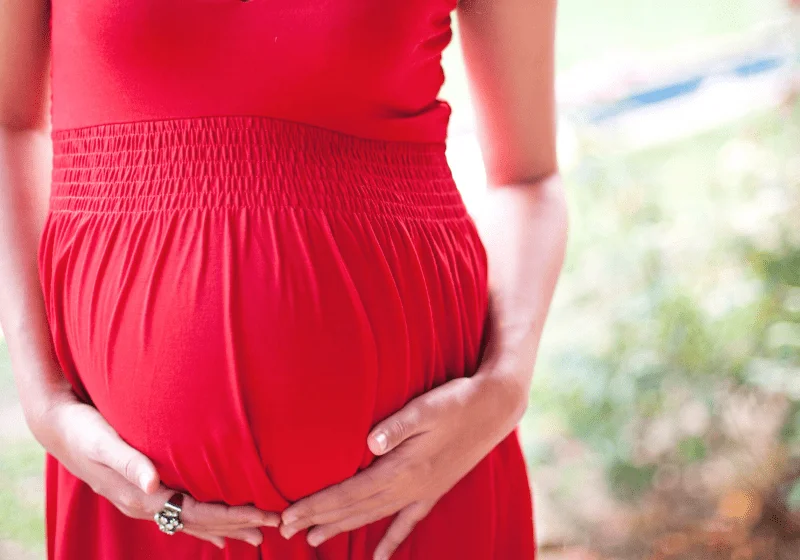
(246, 162)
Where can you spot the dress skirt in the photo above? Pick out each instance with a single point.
(243, 299)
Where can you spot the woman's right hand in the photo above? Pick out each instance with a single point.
(80, 438)
(74, 433)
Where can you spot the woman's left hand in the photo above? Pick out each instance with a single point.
(427, 446)
(425, 449)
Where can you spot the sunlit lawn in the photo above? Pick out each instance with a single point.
(21, 460)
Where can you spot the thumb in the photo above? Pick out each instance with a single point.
(395, 429)
(127, 461)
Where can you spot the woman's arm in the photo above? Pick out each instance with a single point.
(508, 48)
(432, 442)
(71, 431)
(24, 169)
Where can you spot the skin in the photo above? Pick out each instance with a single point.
(75, 433)
(426, 447)
(429, 445)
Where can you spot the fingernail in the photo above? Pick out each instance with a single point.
(144, 480)
(288, 533)
(315, 540)
(380, 439)
(254, 542)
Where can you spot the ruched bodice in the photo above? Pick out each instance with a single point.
(362, 67)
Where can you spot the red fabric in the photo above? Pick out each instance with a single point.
(243, 296)
(359, 66)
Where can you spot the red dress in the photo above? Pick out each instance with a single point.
(255, 251)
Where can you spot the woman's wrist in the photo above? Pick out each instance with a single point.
(507, 396)
(47, 390)
(39, 378)
(524, 230)
(506, 370)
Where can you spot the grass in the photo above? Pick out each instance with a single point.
(21, 466)
(7, 391)
(587, 29)
(21, 515)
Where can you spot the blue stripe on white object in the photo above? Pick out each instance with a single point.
(665, 92)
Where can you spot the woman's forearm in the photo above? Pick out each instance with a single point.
(24, 179)
(524, 228)
(509, 56)
(76, 434)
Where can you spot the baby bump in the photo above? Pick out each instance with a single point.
(248, 344)
(246, 330)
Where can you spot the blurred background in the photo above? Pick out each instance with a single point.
(665, 415)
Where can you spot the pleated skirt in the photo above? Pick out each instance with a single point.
(243, 298)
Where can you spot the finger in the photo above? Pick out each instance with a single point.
(221, 515)
(110, 450)
(249, 516)
(365, 484)
(196, 515)
(398, 427)
(232, 527)
(130, 500)
(134, 503)
(216, 540)
(322, 533)
(251, 536)
(125, 496)
(323, 518)
(400, 529)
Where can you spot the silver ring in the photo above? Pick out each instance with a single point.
(169, 518)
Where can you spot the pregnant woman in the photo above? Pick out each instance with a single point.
(248, 313)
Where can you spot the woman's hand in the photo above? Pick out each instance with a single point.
(425, 449)
(431, 443)
(80, 438)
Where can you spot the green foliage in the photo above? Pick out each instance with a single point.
(794, 497)
(692, 449)
(629, 481)
(21, 516)
(21, 460)
(790, 433)
(588, 29)
(679, 292)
